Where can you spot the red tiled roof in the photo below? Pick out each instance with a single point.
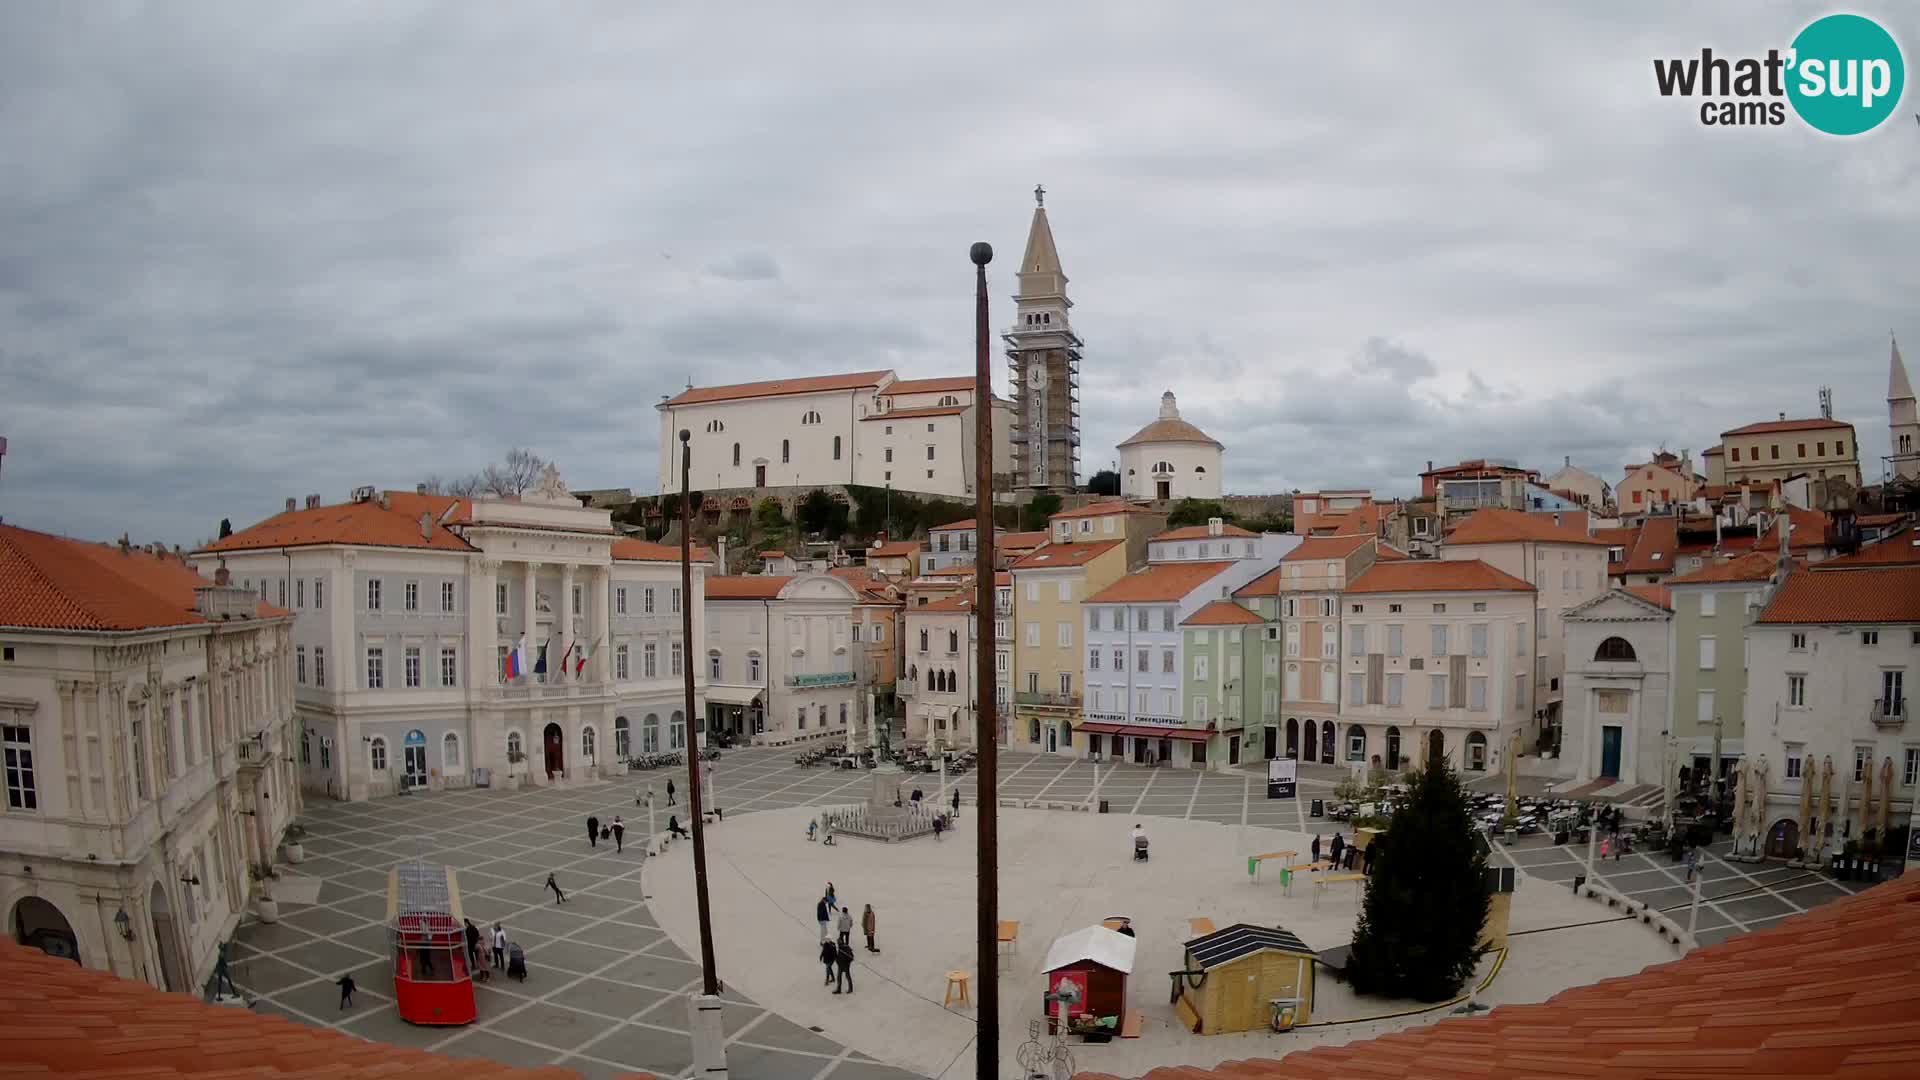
(746, 586)
(1828, 993)
(629, 549)
(1896, 549)
(1435, 575)
(1389, 553)
(1159, 582)
(775, 554)
(1201, 532)
(1621, 536)
(1869, 520)
(894, 549)
(1495, 526)
(64, 1020)
(958, 602)
(954, 385)
(1880, 595)
(911, 414)
(1048, 556)
(361, 524)
(1103, 508)
(819, 384)
(1809, 531)
(1019, 541)
(1477, 466)
(1653, 550)
(1768, 426)
(1267, 584)
(1317, 548)
(50, 582)
(968, 524)
(1753, 566)
(1653, 594)
(1221, 613)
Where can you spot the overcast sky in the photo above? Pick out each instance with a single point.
(252, 250)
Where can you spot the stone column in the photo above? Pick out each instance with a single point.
(483, 627)
(529, 620)
(563, 621)
(601, 669)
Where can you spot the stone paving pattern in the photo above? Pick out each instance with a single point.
(607, 990)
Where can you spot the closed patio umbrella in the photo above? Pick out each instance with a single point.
(1824, 821)
(1866, 799)
(1886, 798)
(1757, 801)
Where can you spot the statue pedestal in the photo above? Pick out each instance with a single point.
(878, 818)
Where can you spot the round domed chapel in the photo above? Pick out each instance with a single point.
(1170, 459)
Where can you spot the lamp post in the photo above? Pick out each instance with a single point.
(709, 1035)
(987, 1038)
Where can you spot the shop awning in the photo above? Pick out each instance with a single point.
(1102, 729)
(1147, 731)
(733, 695)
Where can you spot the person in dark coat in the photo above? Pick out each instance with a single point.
(868, 926)
(669, 792)
(673, 826)
(1337, 849)
(823, 914)
(619, 835)
(346, 990)
(516, 962)
(843, 957)
(593, 831)
(956, 802)
(558, 896)
(473, 945)
(828, 951)
(1315, 849)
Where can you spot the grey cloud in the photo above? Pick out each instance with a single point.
(247, 256)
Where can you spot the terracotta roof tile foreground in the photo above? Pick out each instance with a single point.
(63, 1020)
(1435, 575)
(50, 582)
(1896, 549)
(1831, 993)
(1880, 595)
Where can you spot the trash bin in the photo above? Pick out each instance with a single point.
(1578, 880)
(483, 778)
(1103, 806)
(1318, 808)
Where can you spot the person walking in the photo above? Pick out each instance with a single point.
(1606, 847)
(473, 945)
(499, 947)
(669, 792)
(1693, 863)
(619, 835)
(843, 957)
(821, 916)
(593, 831)
(846, 928)
(956, 802)
(1336, 848)
(833, 898)
(868, 925)
(828, 951)
(1315, 849)
(558, 896)
(346, 986)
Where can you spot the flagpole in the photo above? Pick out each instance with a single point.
(986, 723)
(708, 1034)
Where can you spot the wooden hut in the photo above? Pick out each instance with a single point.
(1233, 977)
(1097, 961)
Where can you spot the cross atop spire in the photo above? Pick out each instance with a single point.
(1039, 195)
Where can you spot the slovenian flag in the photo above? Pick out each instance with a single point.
(517, 659)
(586, 654)
(540, 665)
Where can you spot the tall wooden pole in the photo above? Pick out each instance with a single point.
(986, 721)
(711, 980)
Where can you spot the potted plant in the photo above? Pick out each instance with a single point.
(265, 908)
(295, 852)
(514, 757)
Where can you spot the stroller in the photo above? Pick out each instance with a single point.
(1139, 849)
(516, 962)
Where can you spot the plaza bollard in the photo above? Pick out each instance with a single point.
(1578, 880)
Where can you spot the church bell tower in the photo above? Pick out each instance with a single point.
(1043, 360)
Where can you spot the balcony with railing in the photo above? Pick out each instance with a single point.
(1047, 699)
(1888, 714)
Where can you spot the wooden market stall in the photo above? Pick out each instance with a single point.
(432, 981)
(1095, 962)
(1234, 977)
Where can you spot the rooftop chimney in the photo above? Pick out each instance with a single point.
(419, 489)
(1568, 461)
(385, 503)
(1429, 464)
(1783, 416)
(1215, 526)
(125, 546)
(313, 502)
(426, 525)
(721, 554)
(291, 503)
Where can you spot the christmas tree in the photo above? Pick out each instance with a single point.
(1419, 930)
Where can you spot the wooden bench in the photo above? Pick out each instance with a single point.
(1200, 926)
(1321, 882)
(1130, 1024)
(1254, 862)
(1009, 934)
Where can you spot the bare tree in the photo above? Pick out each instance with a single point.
(518, 473)
(460, 487)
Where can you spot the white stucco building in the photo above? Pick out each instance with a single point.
(1618, 655)
(407, 606)
(145, 716)
(869, 428)
(781, 648)
(1170, 459)
(942, 656)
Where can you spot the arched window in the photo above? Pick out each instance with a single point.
(677, 731)
(1614, 648)
(587, 741)
(650, 734)
(1162, 467)
(836, 448)
(1476, 751)
(1199, 468)
(377, 754)
(923, 639)
(1033, 730)
(736, 455)
(843, 714)
(450, 753)
(786, 451)
(1066, 733)
(622, 738)
(1356, 743)
(810, 417)
(715, 426)
(953, 641)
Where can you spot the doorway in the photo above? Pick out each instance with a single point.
(1436, 746)
(1233, 749)
(414, 756)
(759, 476)
(1139, 751)
(1783, 840)
(171, 975)
(1293, 738)
(556, 750)
(1163, 490)
(1273, 738)
(1610, 751)
(1393, 749)
(1053, 739)
(1326, 742)
(37, 924)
